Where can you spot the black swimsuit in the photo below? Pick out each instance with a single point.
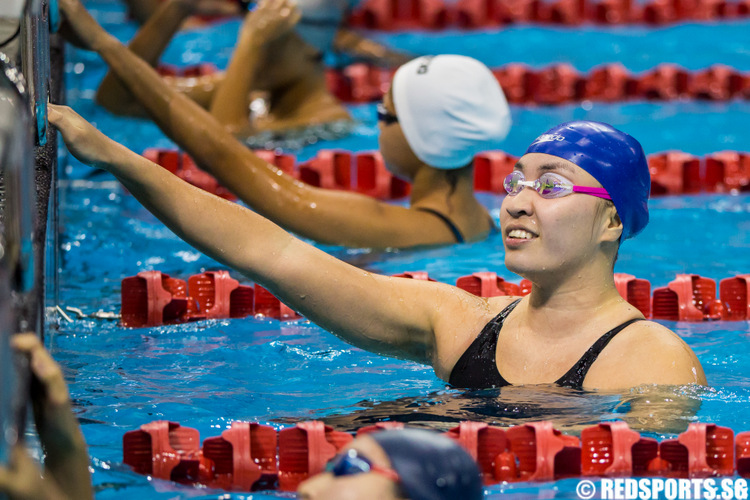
(451, 226)
(477, 367)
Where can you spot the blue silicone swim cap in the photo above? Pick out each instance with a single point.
(612, 157)
(431, 466)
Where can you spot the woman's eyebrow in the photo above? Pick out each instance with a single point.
(547, 167)
(552, 166)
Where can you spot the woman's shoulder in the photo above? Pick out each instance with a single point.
(652, 333)
(647, 352)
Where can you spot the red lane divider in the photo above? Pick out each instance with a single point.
(552, 85)
(245, 456)
(544, 453)
(166, 450)
(487, 445)
(704, 450)
(398, 15)
(488, 284)
(742, 450)
(151, 298)
(362, 172)
(561, 83)
(183, 166)
(636, 291)
(612, 449)
(672, 172)
(304, 451)
(735, 295)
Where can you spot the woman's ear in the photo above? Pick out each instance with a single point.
(613, 230)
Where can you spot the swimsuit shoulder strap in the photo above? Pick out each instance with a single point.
(477, 367)
(449, 223)
(575, 376)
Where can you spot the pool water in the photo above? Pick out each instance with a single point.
(207, 374)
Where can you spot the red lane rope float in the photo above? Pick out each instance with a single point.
(672, 172)
(245, 456)
(562, 83)
(397, 15)
(553, 85)
(152, 298)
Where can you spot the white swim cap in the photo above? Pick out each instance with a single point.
(321, 20)
(450, 108)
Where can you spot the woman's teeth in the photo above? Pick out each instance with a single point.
(520, 234)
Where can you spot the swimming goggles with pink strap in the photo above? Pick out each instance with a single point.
(549, 185)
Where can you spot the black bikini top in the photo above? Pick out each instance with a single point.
(477, 367)
(451, 226)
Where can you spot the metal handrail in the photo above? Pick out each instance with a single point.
(17, 203)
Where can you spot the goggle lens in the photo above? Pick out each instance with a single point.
(512, 184)
(351, 462)
(348, 464)
(552, 187)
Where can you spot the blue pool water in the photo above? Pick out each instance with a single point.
(207, 374)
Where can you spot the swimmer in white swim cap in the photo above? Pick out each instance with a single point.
(440, 112)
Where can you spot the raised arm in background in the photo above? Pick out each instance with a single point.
(419, 320)
(149, 44)
(358, 46)
(268, 57)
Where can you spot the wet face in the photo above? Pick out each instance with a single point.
(397, 154)
(362, 486)
(547, 237)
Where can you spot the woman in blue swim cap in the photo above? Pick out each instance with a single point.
(409, 464)
(579, 191)
(560, 231)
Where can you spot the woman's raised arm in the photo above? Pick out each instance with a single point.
(392, 316)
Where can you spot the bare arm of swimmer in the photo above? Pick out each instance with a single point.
(142, 10)
(352, 43)
(270, 20)
(418, 320)
(149, 44)
(327, 216)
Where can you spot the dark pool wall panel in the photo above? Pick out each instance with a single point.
(45, 177)
(46, 190)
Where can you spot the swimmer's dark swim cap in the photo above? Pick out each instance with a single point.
(612, 157)
(431, 466)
